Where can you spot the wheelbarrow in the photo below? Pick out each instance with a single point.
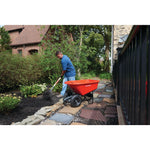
(80, 90)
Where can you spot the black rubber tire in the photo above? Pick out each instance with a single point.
(76, 101)
(65, 103)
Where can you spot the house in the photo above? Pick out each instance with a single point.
(25, 39)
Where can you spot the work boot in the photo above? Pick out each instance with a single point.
(59, 96)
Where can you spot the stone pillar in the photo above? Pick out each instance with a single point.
(119, 31)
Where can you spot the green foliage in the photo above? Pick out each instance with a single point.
(16, 70)
(97, 39)
(84, 63)
(4, 40)
(8, 102)
(60, 41)
(88, 75)
(94, 40)
(105, 75)
(105, 30)
(52, 80)
(32, 90)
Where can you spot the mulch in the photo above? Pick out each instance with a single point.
(27, 107)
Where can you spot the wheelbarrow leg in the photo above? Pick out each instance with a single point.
(91, 98)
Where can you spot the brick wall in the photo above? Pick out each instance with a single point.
(25, 49)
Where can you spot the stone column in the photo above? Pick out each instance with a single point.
(119, 31)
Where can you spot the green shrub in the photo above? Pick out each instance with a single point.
(32, 90)
(105, 75)
(16, 70)
(8, 102)
(58, 86)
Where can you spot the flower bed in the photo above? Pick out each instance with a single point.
(32, 90)
(27, 106)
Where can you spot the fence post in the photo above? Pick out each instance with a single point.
(143, 51)
(148, 78)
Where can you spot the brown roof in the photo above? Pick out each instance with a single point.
(13, 27)
(30, 34)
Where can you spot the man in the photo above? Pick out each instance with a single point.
(68, 71)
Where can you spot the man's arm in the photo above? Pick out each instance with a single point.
(63, 72)
(64, 67)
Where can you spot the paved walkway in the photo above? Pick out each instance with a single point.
(102, 112)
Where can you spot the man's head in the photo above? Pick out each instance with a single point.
(59, 54)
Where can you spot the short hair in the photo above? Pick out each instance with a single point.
(58, 52)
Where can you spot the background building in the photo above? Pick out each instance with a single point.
(25, 39)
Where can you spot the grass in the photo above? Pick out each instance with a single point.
(88, 75)
(104, 75)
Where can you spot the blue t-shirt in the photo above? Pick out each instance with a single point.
(68, 66)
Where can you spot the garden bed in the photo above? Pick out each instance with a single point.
(27, 107)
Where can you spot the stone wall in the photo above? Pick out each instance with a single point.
(119, 31)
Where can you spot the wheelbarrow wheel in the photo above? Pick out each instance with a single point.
(76, 101)
(65, 103)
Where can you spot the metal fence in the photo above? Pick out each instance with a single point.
(131, 75)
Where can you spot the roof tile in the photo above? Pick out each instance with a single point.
(29, 35)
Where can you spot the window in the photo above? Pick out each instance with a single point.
(33, 51)
(20, 52)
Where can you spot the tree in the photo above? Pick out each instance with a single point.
(81, 29)
(97, 39)
(105, 30)
(4, 40)
(78, 32)
(95, 42)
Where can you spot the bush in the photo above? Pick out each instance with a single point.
(16, 70)
(58, 86)
(32, 90)
(8, 102)
(105, 75)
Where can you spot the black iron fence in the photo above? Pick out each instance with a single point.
(131, 74)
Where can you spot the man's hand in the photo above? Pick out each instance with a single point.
(62, 74)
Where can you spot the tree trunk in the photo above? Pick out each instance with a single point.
(107, 58)
(81, 28)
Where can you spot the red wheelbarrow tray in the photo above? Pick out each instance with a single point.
(83, 87)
